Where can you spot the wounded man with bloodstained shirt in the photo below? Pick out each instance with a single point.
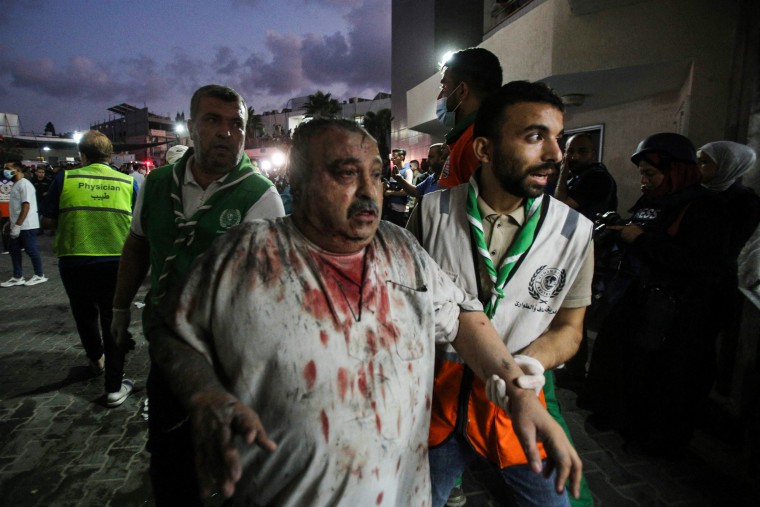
(302, 347)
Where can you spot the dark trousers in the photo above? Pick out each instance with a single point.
(170, 443)
(91, 288)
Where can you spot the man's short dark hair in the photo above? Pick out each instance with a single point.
(491, 114)
(16, 164)
(478, 67)
(399, 150)
(299, 162)
(216, 91)
(582, 135)
(96, 147)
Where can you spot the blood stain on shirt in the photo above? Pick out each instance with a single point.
(310, 374)
(315, 303)
(323, 337)
(342, 383)
(325, 426)
(362, 382)
(379, 499)
(372, 342)
(378, 423)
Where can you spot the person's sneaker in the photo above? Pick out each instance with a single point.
(117, 398)
(13, 282)
(98, 367)
(35, 280)
(456, 498)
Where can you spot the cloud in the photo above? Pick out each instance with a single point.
(281, 74)
(225, 62)
(360, 59)
(350, 62)
(356, 61)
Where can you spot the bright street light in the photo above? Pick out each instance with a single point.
(77, 136)
(278, 159)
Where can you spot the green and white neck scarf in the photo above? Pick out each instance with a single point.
(186, 225)
(519, 246)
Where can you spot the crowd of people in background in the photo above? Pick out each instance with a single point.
(535, 253)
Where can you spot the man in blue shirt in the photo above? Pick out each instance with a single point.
(437, 155)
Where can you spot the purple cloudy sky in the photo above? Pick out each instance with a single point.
(68, 61)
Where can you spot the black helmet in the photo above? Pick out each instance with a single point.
(673, 146)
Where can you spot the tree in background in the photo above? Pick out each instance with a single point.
(322, 105)
(50, 128)
(255, 126)
(379, 126)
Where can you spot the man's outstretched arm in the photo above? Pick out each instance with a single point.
(217, 417)
(480, 347)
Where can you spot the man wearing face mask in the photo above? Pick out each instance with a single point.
(468, 77)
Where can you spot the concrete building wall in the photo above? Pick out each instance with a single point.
(700, 31)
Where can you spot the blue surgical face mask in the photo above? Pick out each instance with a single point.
(8, 174)
(446, 117)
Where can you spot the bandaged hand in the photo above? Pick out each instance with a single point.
(15, 231)
(533, 378)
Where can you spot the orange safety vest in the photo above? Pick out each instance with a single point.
(487, 428)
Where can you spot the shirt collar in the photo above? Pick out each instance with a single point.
(190, 177)
(517, 215)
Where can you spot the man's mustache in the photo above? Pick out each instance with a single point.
(363, 204)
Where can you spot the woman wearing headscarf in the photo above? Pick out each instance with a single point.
(723, 164)
(653, 360)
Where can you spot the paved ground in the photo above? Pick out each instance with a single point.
(60, 447)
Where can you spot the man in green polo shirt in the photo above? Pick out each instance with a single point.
(180, 210)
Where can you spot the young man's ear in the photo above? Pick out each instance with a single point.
(482, 148)
(464, 90)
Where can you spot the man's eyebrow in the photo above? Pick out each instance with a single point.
(541, 128)
(338, 162)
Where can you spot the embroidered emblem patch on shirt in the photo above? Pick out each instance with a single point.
(546, 283)
(229, 218)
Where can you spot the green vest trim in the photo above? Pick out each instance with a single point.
(94, 212)
(175, 241)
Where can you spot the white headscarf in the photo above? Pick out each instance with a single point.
(734, 160)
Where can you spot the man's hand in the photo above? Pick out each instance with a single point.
(15, 231)
(218, 420)
(532, 422)
(496, 387)
(120, 329)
